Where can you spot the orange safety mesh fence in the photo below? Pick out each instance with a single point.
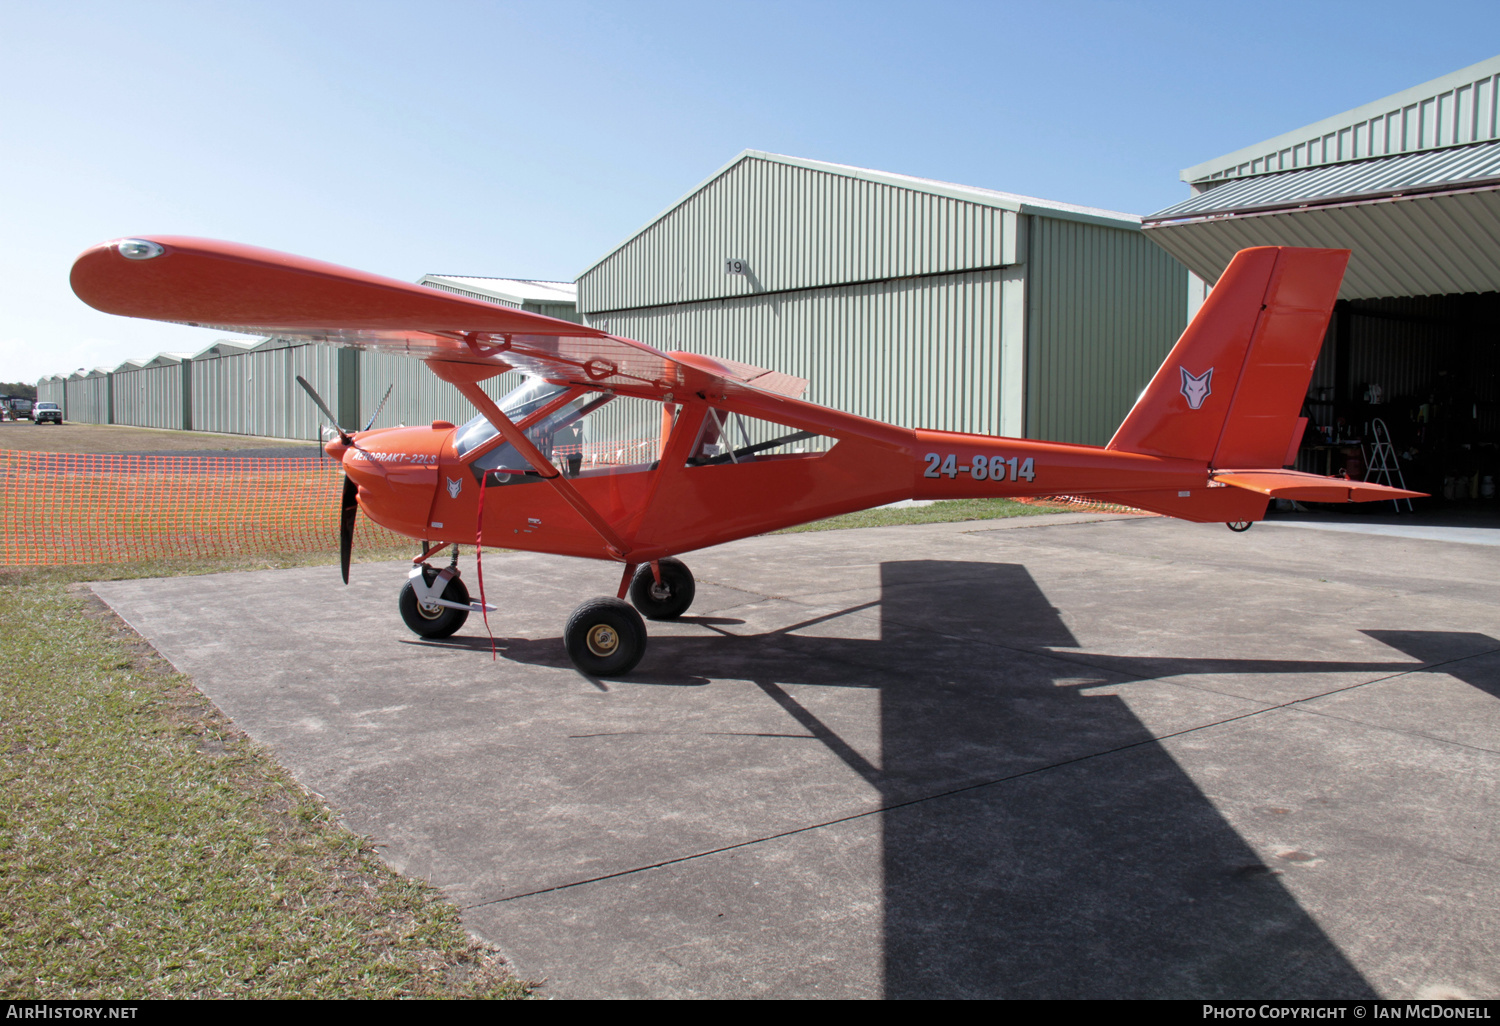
(61, 508)
(1083, 504)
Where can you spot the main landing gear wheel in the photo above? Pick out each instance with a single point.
(605, 637)
(434, 621)
(1239, 525)
(667, 600)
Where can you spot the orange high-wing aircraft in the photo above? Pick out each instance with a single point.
(739, 453)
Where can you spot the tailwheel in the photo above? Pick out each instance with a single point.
(429, 619)
(605, 637)
(667, 600)
(1239, 525)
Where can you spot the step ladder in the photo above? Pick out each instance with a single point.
(1382, 466)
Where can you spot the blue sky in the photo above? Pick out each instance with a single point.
(527, 139)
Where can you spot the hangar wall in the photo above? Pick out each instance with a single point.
(1106, 307)
(86, 397)
(148, 396)
(51, 389)
(908, 351)
(923, 303)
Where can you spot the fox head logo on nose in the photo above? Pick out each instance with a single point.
(455, 485)
(1195, 389)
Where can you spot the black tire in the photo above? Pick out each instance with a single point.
(605, 637)
(1239, 526)
(445, 621)
(676, 581)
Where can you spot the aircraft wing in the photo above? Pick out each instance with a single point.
(230, 287)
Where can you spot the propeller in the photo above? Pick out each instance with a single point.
(347, 513)
(312, 393)
(349, 505)
(380, 406)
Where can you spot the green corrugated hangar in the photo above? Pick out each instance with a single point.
(1410, 184)
(908, 300)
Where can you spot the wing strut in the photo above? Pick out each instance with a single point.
(543, 466)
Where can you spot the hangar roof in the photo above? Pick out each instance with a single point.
(1404, 175)
(1409, 184)
(970, 193)
(1453, 110)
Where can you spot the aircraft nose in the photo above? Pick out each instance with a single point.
(336, 449)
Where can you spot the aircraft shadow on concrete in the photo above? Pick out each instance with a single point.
(1038, 842)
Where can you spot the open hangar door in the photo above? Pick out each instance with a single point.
(1422, 372)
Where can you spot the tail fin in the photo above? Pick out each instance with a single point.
(1229, 393)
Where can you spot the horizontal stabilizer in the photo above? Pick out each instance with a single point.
(1292, 484)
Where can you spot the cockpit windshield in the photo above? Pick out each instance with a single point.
(558, 435)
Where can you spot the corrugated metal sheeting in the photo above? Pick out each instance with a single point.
(1454, 110)
(256, 393)
(916, 352)
(149, 397)
(902, 299)
(1106, 307)
(419, 396)
(51, 390)
(1409, 246)
(1402, 344)
(87, 398)
(794, 227)
(1445, 170)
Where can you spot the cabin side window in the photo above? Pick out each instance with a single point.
(727, 437)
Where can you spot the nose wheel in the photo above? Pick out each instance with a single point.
(428, 618)
(605, 637)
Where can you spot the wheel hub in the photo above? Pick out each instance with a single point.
(660, 592)
(602, 640)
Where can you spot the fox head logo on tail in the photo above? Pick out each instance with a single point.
(1195, 389)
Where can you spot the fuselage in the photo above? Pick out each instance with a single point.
(413, 481)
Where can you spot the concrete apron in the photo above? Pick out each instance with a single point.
(1052, 757)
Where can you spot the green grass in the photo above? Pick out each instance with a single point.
(149, 850)
(945, 512)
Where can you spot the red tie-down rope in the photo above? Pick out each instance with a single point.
(484, 607)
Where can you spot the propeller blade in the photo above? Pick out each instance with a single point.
(380, 407)
(318, 400)
(346, 524)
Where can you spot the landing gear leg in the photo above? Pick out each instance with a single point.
(434, 603)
